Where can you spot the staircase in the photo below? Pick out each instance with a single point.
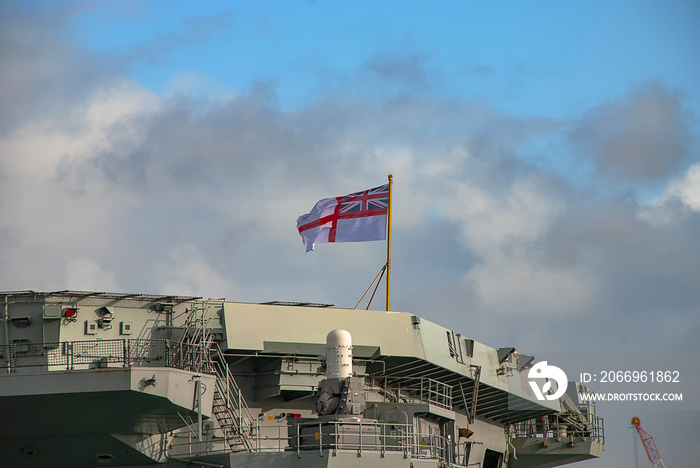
(229, 406)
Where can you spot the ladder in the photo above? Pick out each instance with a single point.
(229, 406)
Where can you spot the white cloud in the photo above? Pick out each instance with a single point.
(88, 275)
(503, 229)
(54, 195)
(681, 197)
(200, 86)
(188, 273)
(510, 286)
(687, 188)
(37, 148)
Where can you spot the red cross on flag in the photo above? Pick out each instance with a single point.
(357, 217)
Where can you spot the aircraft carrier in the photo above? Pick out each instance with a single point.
(94, 379)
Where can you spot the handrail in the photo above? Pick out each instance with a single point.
(422, 389)
(555, 426)
(233, 415)
(317, 437)
(244, 423)
(74, 355)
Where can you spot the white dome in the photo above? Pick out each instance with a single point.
(339, 338)
(338, 354)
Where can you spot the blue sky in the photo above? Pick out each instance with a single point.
(545, 155)
(551, 60)
(523, 57)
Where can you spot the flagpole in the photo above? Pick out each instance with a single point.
(388, 244)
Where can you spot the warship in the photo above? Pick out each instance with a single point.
(94, 379)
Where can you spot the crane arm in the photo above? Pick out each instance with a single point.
(649, 445)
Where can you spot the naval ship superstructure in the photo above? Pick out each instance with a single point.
(136, 380)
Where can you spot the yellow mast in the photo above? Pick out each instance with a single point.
(388, 244)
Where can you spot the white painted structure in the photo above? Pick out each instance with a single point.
(338, 354)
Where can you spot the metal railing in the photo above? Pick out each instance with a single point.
(561, 426)
(423, 390)
(75, 355)
(230, 408)
(436, 392)
(360, 437)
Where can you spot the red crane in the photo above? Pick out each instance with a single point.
(649, 445)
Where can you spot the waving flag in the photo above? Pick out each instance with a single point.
(357, 217)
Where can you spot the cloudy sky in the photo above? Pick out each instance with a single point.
(546, 162)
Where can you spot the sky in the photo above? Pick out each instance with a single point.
(545, 155)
